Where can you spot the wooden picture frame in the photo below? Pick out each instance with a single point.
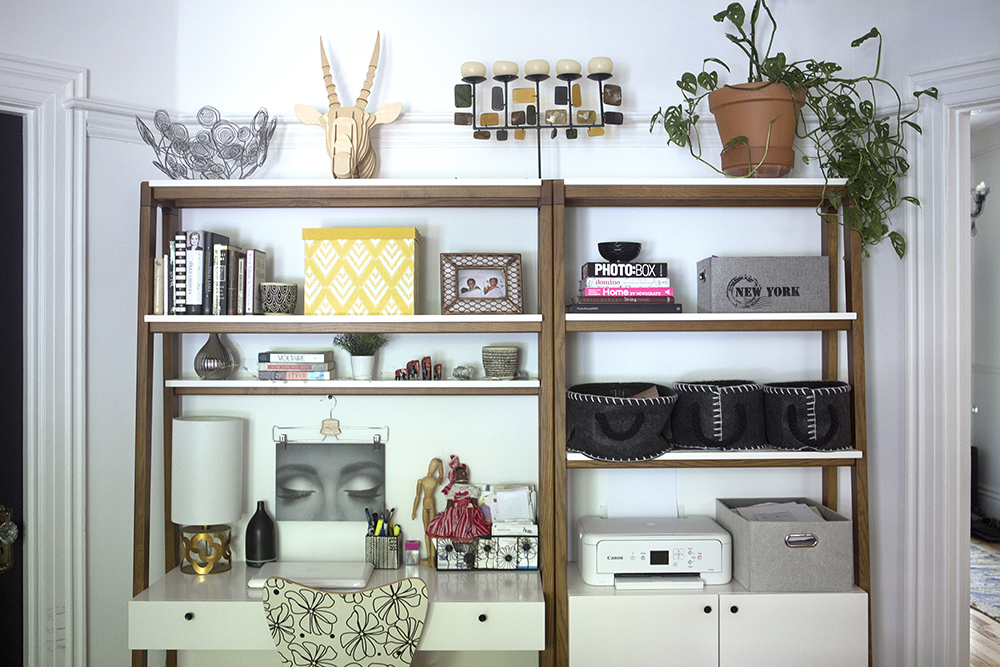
(481, 284)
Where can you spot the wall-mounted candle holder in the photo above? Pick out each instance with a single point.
(506, 116)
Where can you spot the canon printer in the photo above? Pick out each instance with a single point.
(654, 553)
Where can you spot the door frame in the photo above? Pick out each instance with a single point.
(935, 549)
(55, 246)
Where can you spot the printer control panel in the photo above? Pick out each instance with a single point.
(702, 556)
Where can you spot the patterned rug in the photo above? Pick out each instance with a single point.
(985, 582)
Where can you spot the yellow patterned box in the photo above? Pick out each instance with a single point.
(361, 270)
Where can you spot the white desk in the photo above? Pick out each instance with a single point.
(468, 611)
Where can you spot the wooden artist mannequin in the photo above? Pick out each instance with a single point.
(426, 486)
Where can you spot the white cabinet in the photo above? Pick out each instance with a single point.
(792, 629)
(719, 626)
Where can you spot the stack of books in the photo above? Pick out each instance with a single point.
(205, 274)
(278, 365)
(627, 287)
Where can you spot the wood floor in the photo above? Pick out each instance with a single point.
(984, 632)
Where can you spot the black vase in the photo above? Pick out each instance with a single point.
(261, 542)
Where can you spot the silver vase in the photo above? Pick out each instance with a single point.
(214, 360)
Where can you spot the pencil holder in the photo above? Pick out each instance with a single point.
(383, 551)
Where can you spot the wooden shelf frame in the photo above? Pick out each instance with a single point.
(161, 204)
(717, 193)
(160, 210)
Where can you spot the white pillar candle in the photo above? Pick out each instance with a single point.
(567, 67)
(473, 69)
(504, 67)
(600, 65)
(536, 67)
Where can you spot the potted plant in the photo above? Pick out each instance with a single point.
(362, 348)
(849, 138)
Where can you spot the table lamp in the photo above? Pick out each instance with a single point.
(206, 489)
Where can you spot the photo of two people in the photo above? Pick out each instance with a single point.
(481, 284)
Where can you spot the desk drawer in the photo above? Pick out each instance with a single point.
(484, 626)
(197, 625)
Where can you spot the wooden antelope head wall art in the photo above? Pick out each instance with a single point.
(348, 129)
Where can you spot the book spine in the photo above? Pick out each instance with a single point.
(256, 274)
(193, 289)
(294, 357)
(158, 286)
(624, 269)
(220, 262)
(264, 366)
(241, 268)
(627, 291)
(624, 282)
(624, 308)
(211, 240)
(623, 299)
(180, 272)
(294, 375)
(231, 280)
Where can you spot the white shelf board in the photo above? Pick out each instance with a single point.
(348, 183)
(710, 317)
(740, 455)
(720, 181)
(417, 386)
(342, 319)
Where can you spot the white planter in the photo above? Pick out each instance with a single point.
(363, 367)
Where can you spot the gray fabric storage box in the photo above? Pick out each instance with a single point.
(764, 285)
(763, 563)
(605, 421)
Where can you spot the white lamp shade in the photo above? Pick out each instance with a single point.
(207, 471)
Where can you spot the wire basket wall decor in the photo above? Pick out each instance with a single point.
(221, 149)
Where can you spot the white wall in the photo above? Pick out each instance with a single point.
(985, 295)
(240, 56)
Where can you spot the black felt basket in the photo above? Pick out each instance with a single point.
(604, 423)
(719, 414)
(808, 415)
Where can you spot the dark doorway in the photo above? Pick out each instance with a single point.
(11, 391)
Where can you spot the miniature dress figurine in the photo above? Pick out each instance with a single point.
(462, 520)
(425, 488)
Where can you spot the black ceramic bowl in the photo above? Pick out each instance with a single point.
(619, 251)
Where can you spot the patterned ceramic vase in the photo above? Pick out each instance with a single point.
(278, 298)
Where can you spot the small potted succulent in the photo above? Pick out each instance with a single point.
(362, 348)
(835, 118)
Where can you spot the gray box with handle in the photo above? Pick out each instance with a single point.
(789, 557)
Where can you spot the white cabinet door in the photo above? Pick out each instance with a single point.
(793, 629)
(637, 629)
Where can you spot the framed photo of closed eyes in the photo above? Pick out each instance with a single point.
(328, 482)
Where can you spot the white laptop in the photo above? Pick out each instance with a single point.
(351, 575)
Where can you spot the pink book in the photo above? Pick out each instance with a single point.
(627, 291)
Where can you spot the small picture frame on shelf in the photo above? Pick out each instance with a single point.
(481, 284)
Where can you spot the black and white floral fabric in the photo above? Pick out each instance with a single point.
(379, 627)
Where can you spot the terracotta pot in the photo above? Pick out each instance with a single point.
(747, 109)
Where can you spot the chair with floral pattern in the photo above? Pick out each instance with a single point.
(375, 627)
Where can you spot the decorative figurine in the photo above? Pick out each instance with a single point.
(437, 371)
(463, 372)
(461, 520)
(425, 487)
(348, 129)
(425, 368)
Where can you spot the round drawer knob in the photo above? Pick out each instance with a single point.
(708, 609)
(734, 609)
(188, 616)
(482, 618)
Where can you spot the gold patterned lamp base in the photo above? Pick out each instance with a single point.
(206, 549)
